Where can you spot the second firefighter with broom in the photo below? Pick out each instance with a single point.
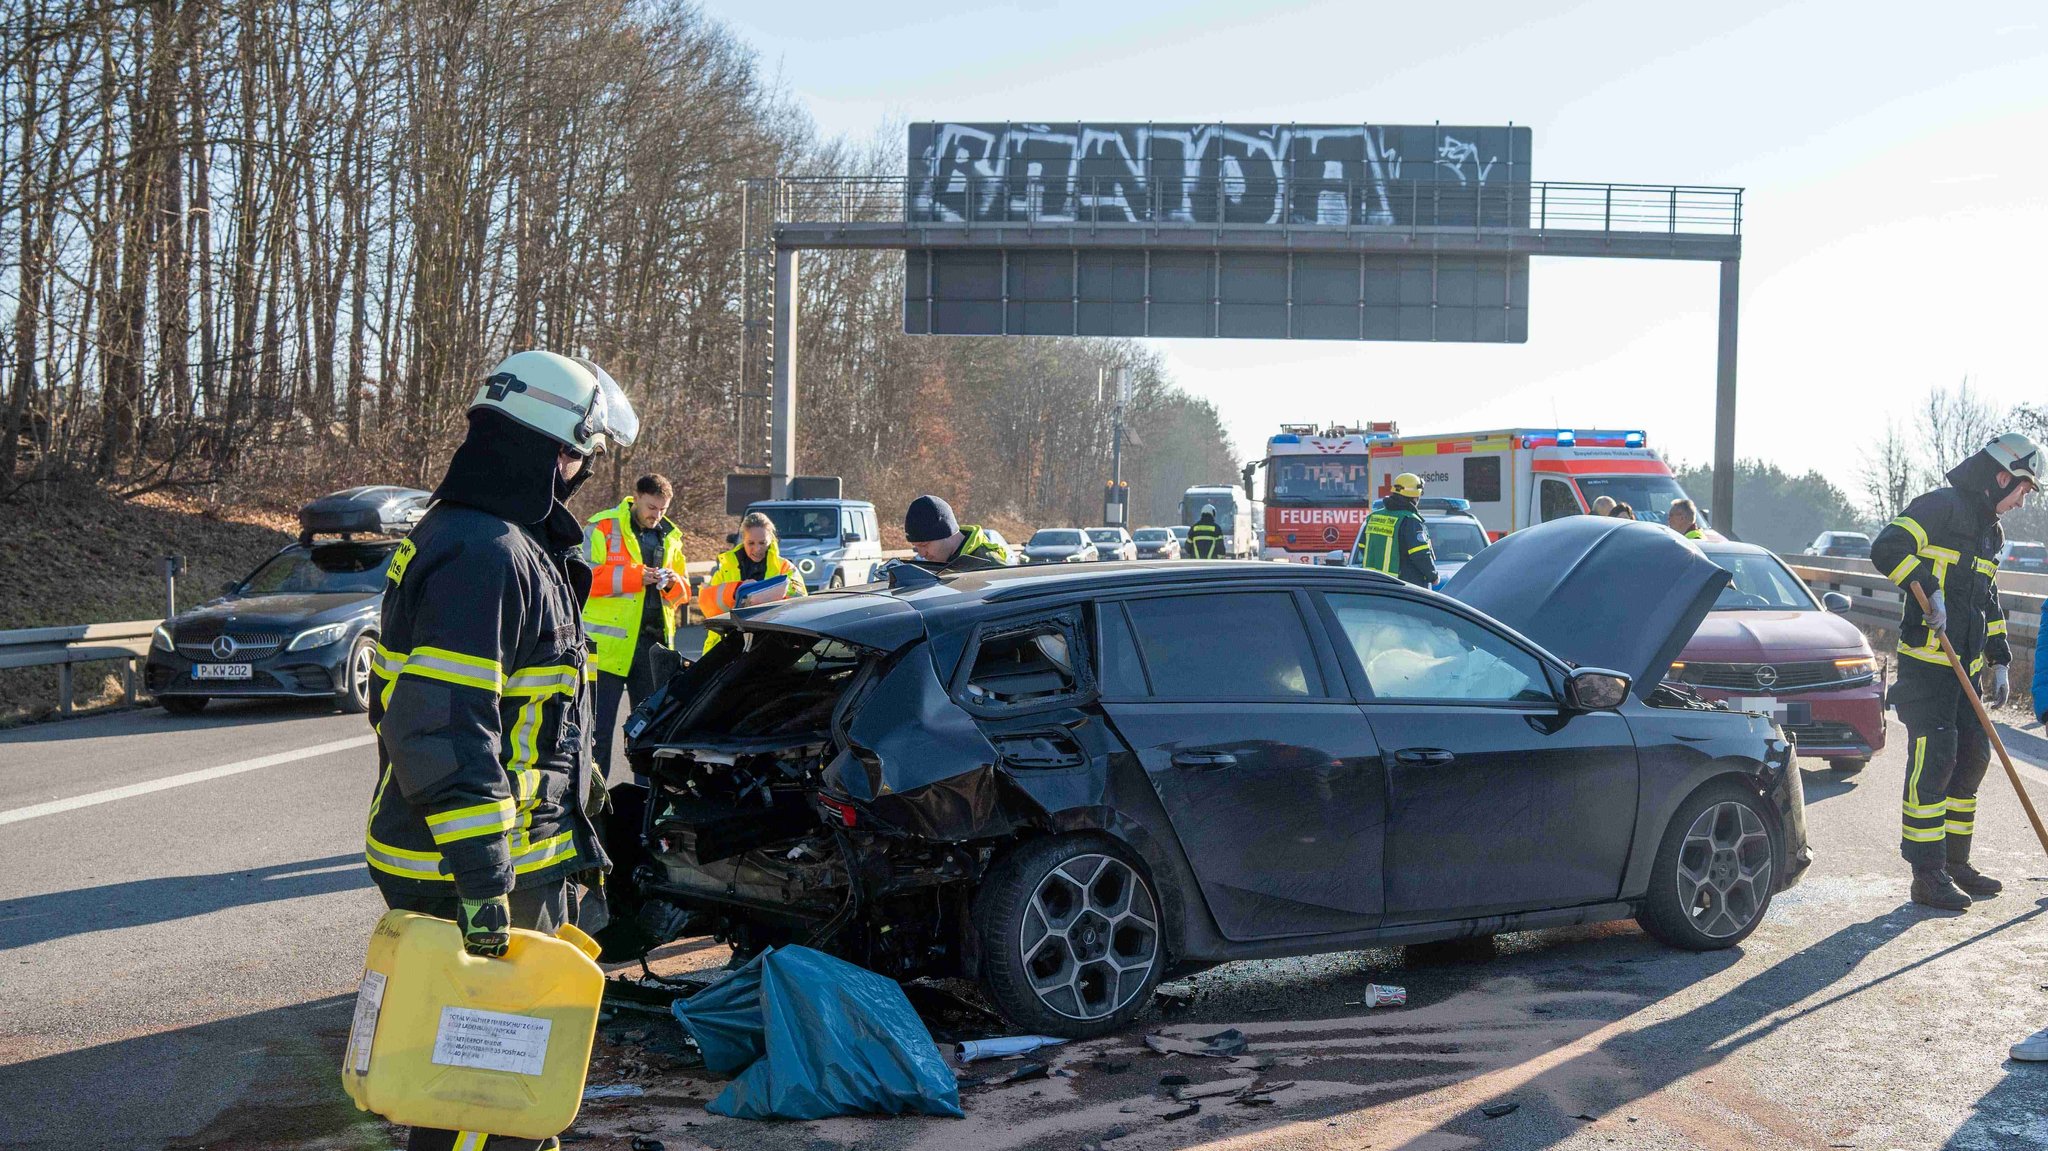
(1945, 544)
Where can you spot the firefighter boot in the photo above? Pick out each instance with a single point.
(1933, 888)
(1974, 882)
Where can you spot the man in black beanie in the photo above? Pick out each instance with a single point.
(938, 538)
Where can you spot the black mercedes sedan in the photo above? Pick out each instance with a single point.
(303, 625)
(1070, 782)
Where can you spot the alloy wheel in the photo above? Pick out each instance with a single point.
(359, 672)
(1724, 869)
(1090, 937)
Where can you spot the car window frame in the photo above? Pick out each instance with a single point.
(1319, 638)
(1087, 684)
(1361, 688)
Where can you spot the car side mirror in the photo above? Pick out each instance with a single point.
(732, 538)
(854, 538)
(1836, 602)
(1595, 689)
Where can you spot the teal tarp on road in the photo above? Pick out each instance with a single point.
(811, 1036)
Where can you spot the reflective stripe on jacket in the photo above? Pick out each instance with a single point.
(482, 704)
(614, 609)
(717, 598)
(1205, 541)
(1946, 542)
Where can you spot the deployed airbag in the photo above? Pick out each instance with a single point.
(811, 1037)
(1601, 592)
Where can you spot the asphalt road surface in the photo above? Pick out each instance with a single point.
(184, 909)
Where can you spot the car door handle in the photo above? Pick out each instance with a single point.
(1195, 761)
(1418, 756)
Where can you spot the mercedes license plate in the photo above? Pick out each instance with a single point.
(220, 671)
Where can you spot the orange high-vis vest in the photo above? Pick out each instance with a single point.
(618, 585)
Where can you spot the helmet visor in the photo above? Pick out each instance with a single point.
(611, 414)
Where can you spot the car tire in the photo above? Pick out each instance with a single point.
(1069, 935)
(837, 581)
(1850, 766)
(353, 696)
(183, 704)
(1715, 870)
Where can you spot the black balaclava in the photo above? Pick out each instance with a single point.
(508, 469)
(1982, 477)
(1396, 502)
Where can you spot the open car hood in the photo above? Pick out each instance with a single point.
(863, 619)
(1601, 592)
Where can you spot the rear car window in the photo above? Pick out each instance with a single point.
(1024, 665)
(1123, 675)
(1236, 645)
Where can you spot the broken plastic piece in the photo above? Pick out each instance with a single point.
(1222, 1045)
(614, 1091)
(1026, 1073)
(1496, 1110)
(1004, 1047)
(1181, 1112)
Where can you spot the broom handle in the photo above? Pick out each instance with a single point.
(1984, 717)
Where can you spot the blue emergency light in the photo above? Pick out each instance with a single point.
(1565, 438)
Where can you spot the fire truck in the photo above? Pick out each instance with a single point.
(1521, 476)
(1318, 488)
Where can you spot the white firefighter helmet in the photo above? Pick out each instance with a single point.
(1208, 509)
(566, 398)
(2017, 455)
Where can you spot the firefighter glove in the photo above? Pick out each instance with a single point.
(1937, 612)
(486, 925)
(2001, 686)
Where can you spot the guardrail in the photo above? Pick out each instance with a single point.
(128, 642)
(67, 647)
(1875, 602)
(1206, 201)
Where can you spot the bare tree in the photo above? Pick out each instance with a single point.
(1891, 473)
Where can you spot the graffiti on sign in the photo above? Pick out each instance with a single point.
(1295, 174)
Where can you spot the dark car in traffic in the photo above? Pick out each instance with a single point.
(1048, 779)
(1058, 546)
(303, 625)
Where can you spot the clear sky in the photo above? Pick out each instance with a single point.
(1896, 213)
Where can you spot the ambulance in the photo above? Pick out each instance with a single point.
(1520, 476)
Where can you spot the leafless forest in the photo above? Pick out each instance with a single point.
(257, 249)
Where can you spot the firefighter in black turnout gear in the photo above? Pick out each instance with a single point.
(485, 798)
(1394, 539)
(1205, 538)
(1946, 543)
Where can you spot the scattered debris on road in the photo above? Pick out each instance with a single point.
(1170, 1000)
(1385, 995)
(1496, 1110)
(1005, 1047)
(613, 1091)
(1222, 1045)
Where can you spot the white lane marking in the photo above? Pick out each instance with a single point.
(55, 806)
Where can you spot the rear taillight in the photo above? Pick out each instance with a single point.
(846, 813)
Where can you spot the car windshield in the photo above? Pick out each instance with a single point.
(1055, 538)
(1455, 541)
(1106, 535)
(2029, 553)
(1650, 496)
(1161, 535)
(804, 523)
(1180, 533)
(1319, 479)
(1761, 583)
(329, 569)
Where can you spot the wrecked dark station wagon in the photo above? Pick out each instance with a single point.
(1070, 782)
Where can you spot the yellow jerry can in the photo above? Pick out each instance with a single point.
(450, 1040)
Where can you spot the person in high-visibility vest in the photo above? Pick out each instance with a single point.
(633, 549)
(1394, 539)
(745, 574)
(1684, 518)
(1205, 539)
(938, 537)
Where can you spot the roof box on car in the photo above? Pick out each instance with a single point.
(370, 510)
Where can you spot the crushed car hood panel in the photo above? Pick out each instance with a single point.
(1600, 592)
(864, 619)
